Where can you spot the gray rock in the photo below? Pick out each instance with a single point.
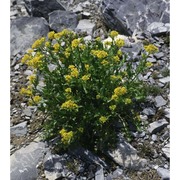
(19, 129)
(167, 113)
(59, 20)
(151, 60)
(130, 15)
(88, 156)
(163, 173)
(154, 137)
(165, 80)
(85, 25)
(125, 155)
(27, 112)
(166, 150)
(41, 8)
(28, 72)
(159, 55)
(159, 101)
(99, 175)
(157, 126)
(117, 173)
(149, 111)
(158, 29)
(24, 161)
(24, 31)
(55, 166)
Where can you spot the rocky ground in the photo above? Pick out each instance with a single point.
(148, 156)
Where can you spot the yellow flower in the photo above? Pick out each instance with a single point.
(38, 43)
(51, 35)
(99, 53)
(47, 44)
(112, 107)
(32, 78)
(86, 77)
(98, 39)
(128, 101)
(149, 64)
(36, 62)
(103, 119)
(66, 136)
(27, 91)
(104, 62)
(67, 52)
(116, 58)
(114, 97)
(74, 72)
(56, 47)
(37, 99)
(151, 49)
(120, 91)
(82, 46)
(113, 34)
(71, 67)
(114, 77)
(87, 67)
(107, 43)
(67, 78)
(75, 43)
(69, 105)
(119, 53)
(119, 43)
(25, 58)
(68, 90)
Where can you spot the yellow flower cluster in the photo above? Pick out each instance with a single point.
(68, 90)
(69, 105)
(75, 43)
(87, 67)
(38, 43)
(119, 53)
(36, 61)
(56, 47)
(67, 52)
(116, 59)
(32, 78)
(66, 136)
(25, 58)
(113, 34)
(118, 92)
(114, 77)
(112, 107)
(99, 53)
(74, 71)
(151, 49)
(62, 33)
(37, 99)
(67, 78)
(119, 43)
(128, 101)
(86, 77)
(26, 91)
(51, 35)
(149, 64)
(104, 62)
(103, 119)
(47, 44)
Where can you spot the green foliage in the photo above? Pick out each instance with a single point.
(85, 87)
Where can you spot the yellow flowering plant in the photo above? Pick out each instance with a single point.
(84, 87)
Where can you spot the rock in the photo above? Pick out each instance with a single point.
(166, 150)
(88, 156)
(167, 113)
(27, 112)
(25, 160)
(157, 126)
(28, 72)
(117, 173)
(159, 55)
(163, 173)
(165, 80)
(85, 25)
(99, 175)
(159, 101)
(149, 111)
(24, 31)
(52, 67)
(19, 129)
(158, 29)
(125, 155)
(55, 166)
(154, 137)
(130, 15)
(59, 20)
(151, 60)
(41, 8)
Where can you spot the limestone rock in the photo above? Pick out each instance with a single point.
(24, 31)
(59, 20)
(130, 15)
(19, 129)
